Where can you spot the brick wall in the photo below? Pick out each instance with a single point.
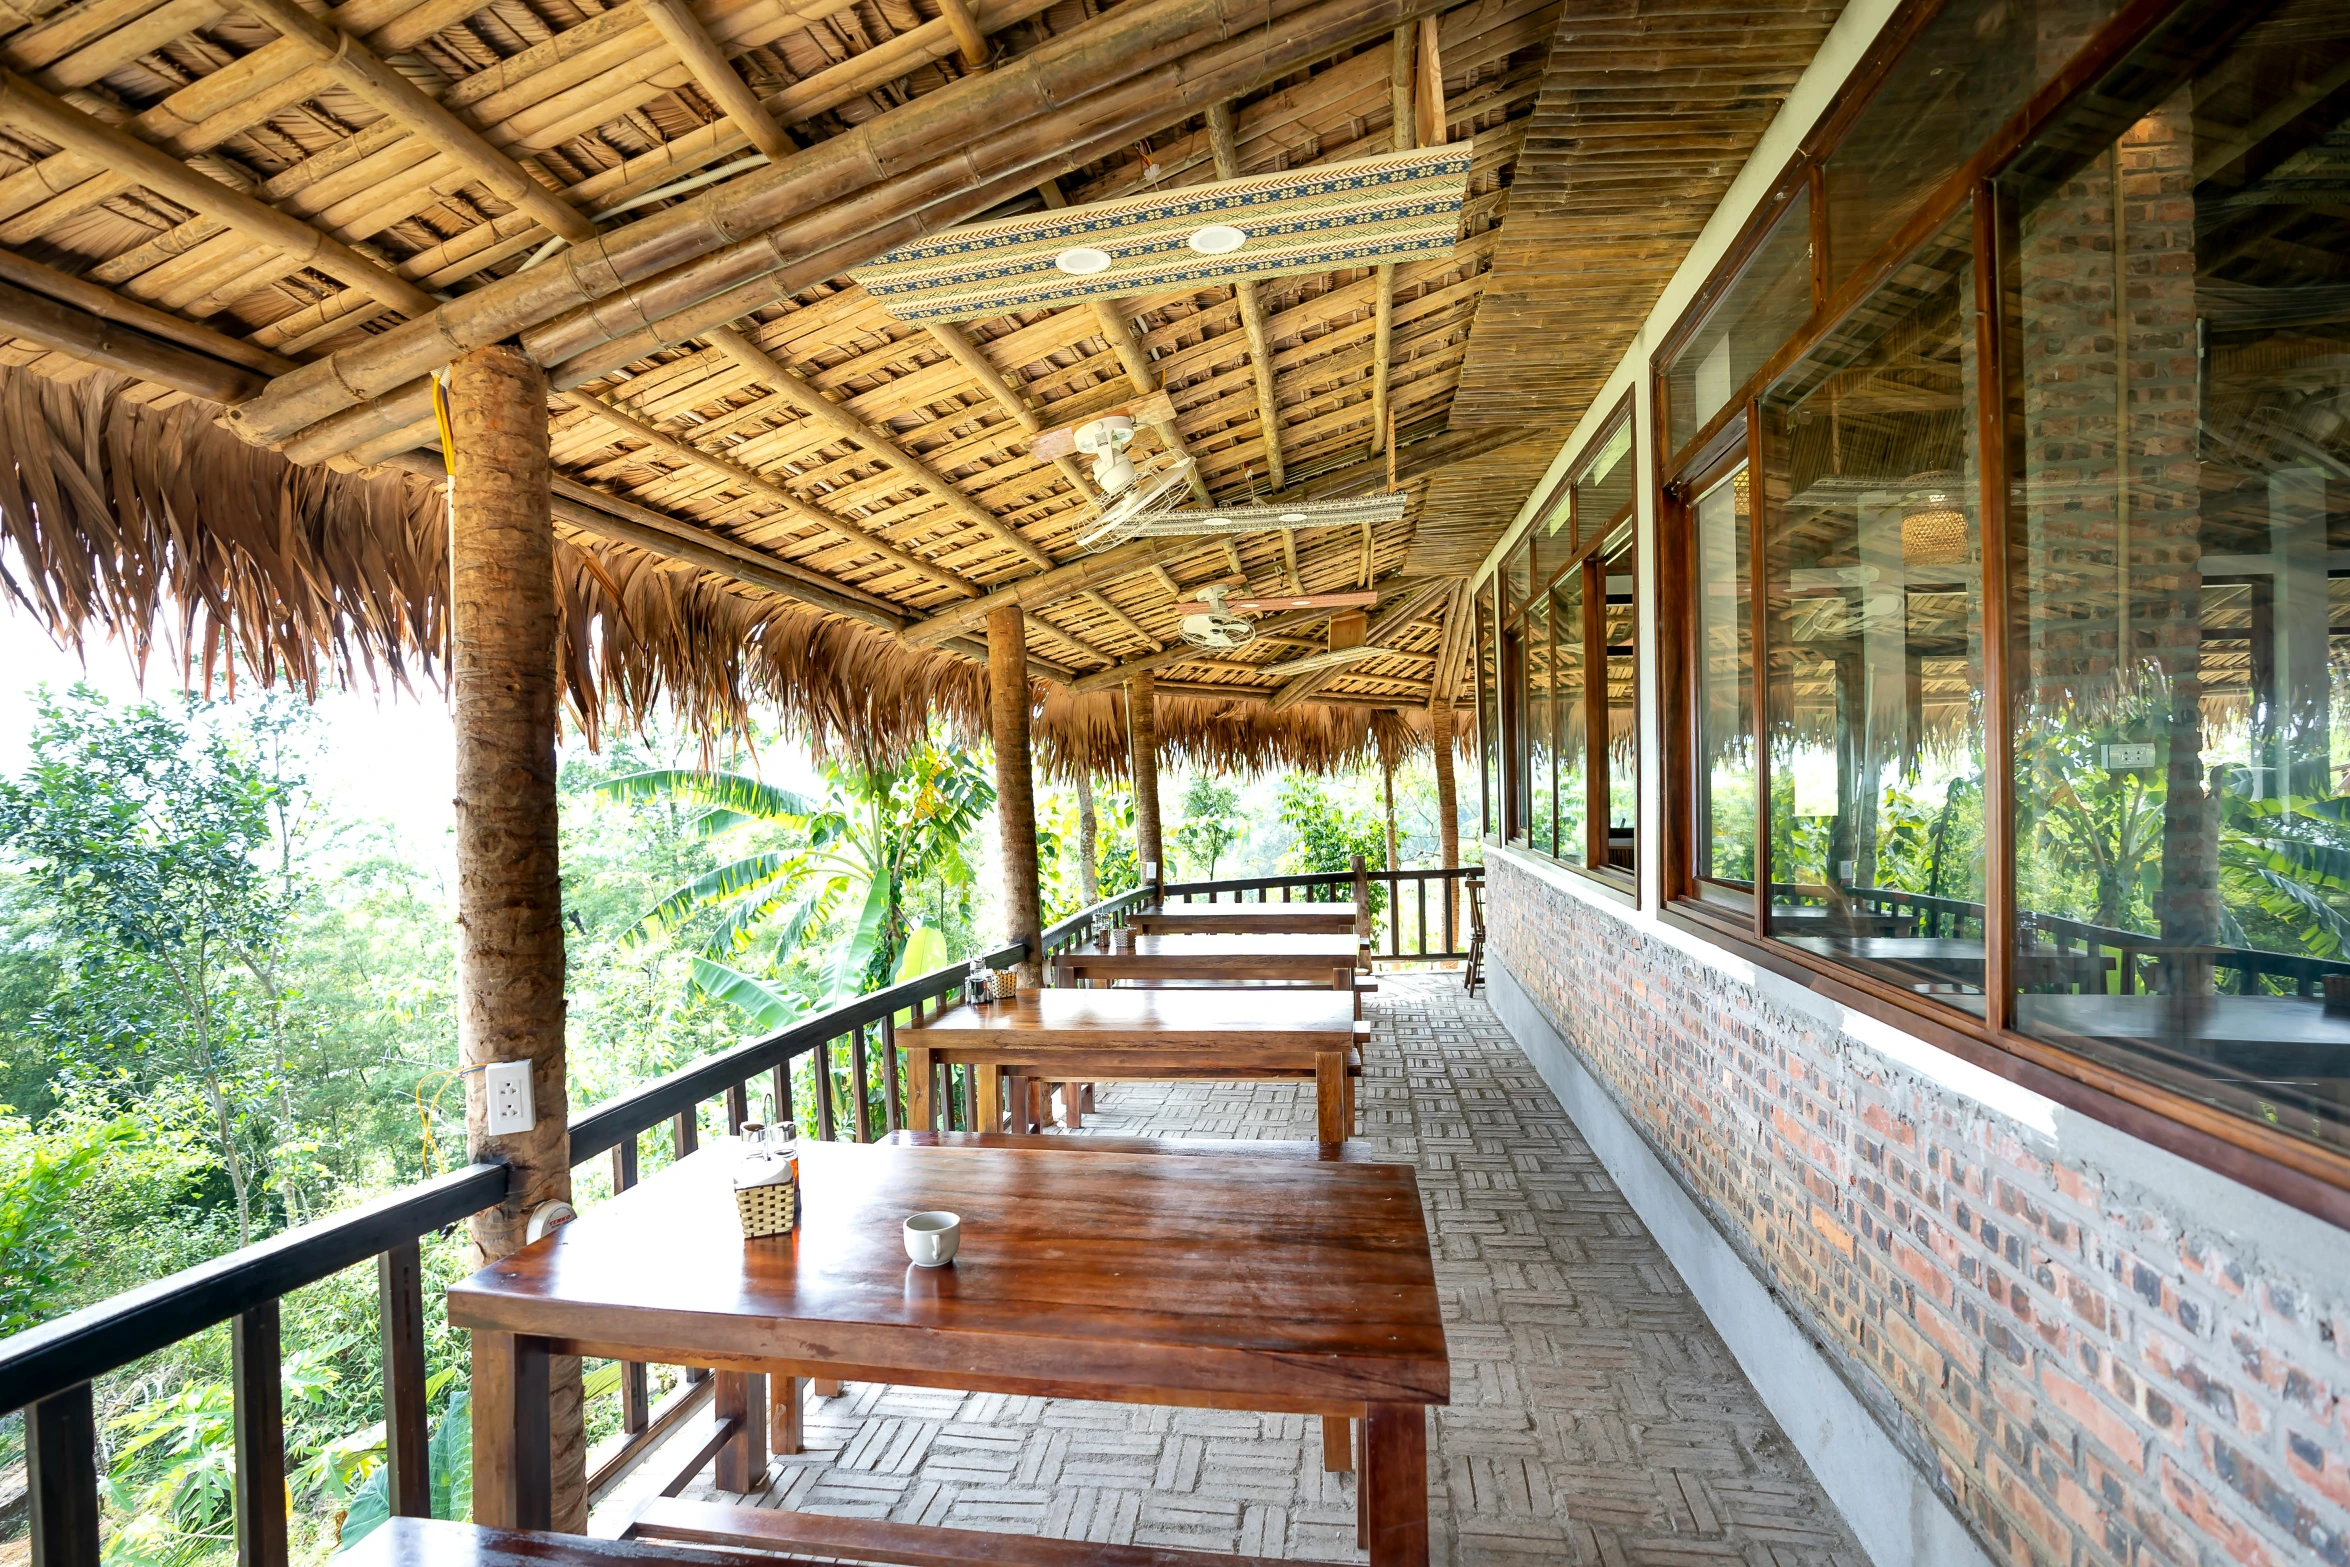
(2096, 1376)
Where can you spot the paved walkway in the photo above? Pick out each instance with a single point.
(1596, 1416)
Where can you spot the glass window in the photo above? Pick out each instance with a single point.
(1971, 68)
(1603, 485)
(1488, 720)
(1614, 577)
(2181, 542)
(1574, 769)
(1766, 306)
(1542, 783)
(1725, 698)
(1872, 577)
(1554, 541)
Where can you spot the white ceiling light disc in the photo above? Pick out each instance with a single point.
(1217, 239)
(1082, 261)
(1293, 516)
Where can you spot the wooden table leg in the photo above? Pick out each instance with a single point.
(1330, 1095)
(786, 1431)
(921, 1112)
(742, 1462)
(987, 1097)
(824, 1387)
(1072, 1116)
(513, 1456)
(1394, 1489)
(1338, 1445)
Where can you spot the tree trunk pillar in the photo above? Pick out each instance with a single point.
(1015, 787)
(1142, 740)
(1088, 829)
(1448, 806)
(509, 892)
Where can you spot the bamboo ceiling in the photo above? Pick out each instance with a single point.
(280, 218)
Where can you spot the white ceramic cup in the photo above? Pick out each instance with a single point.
(931, 1238)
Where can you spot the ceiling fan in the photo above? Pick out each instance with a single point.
(1220, 622)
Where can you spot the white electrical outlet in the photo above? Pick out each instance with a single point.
(508, 1086)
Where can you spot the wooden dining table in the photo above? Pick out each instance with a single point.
(1330, 961)
(1280, 1285)
(1244, 919)
(1069, 1035)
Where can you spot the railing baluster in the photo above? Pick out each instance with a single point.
(636, 1399)
(1421, 883)
(738, 1108)
(399, 1288)
(684, 1134)
(255, 1360)
(824, 1090)
(61, 1451)
(782, 1091)
(889, 1074)
(858, 1081)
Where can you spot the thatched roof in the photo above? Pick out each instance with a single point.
(248, 215)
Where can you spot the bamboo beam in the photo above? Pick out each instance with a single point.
(1226, 149)
(103, 304)
(113, 346)
(1181, 653)
(503, 701)
(966, 30)
(1008, 703)
(798, 510)
(1048, 586)
(1399, 109)
(683, 32)
(960, 348)
(1126, 622)
(355, 68)
(802, 394)
(25, 105)
(1430, 93)
(1289, 559)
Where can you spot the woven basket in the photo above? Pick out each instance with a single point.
(1004, 983)
(769, 1208)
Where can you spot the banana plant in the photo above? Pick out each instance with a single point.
(851, 854)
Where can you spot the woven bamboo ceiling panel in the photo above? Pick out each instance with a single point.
(1647, 111)
(289, 217)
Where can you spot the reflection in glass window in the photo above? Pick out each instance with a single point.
(1725, 674)
(1759, 313)
(2182, 767)
(1574, 772)
(1542, 783)
(1872, 576)
(1603, 485)
(1616, 572)
(1971, 68)
(1554, 541)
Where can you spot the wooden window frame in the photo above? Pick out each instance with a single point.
(2304, 1174)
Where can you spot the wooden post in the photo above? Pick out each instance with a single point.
(509, 894)
(1142, 740)
(1448, 811)
(1362, 895)
(1015, 784)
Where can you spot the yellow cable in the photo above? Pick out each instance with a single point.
(440, 415)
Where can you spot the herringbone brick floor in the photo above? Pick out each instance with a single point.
(1596, 1417)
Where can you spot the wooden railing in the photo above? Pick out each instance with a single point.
(1406, 914)
(48, 1371)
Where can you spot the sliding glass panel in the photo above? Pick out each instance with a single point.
(2182, 768)
(1761, 311)
(1971, 68)
(1872, 577)
(1616, 572)
(1725, 705)
(1542, 798)
(1574, 772)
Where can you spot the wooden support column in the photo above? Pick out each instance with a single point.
(1441, 741)
(1088, 878)
(1142, 739)
(509, 891)
(1015, 786)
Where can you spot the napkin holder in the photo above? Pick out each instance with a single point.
(767, 1197)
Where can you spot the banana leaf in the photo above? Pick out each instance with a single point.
(767, 1006)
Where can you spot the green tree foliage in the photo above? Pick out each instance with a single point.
(1328, 836)
(1211, 823)
(40, 1179)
